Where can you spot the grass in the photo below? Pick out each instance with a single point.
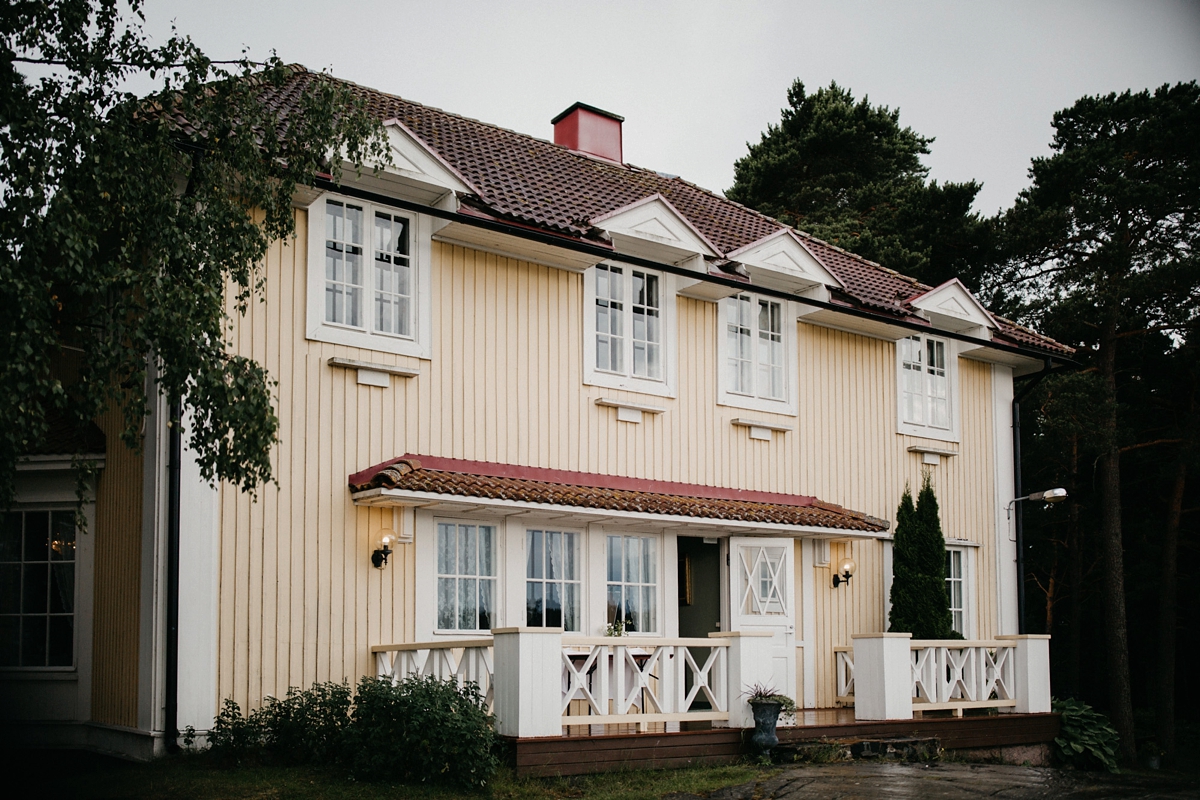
(83, 776)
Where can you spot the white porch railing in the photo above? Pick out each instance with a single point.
(537, 681)
(642, 680)
(1008, 672)
(463, 660)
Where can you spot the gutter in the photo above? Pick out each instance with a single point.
(604, 253)
(171, 679)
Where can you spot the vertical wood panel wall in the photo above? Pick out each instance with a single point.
(117, 594)
(299, 600)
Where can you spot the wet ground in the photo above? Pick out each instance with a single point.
(946, 780)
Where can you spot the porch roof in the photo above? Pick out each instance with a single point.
(431, 475)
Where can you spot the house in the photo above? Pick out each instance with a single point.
(529, 394)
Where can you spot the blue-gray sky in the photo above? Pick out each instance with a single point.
(696, 80)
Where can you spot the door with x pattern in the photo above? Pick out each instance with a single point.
(763, 598)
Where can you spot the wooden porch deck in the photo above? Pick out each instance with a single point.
(581, 754)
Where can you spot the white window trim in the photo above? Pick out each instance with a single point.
(791, 378)
(582, 570)
(951, 434)
(968, 581)
(594, 377)
(663, 624)
(425, 541)
(317, 329)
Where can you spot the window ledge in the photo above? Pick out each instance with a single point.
(760, 430)
(629, 412)
(608, 380)
(919, 432)
(373, 374)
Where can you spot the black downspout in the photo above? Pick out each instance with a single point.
(171, 705)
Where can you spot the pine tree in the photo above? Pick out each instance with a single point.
(919, 602)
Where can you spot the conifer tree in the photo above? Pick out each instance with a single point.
(919, 602)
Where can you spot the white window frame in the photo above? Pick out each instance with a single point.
(968, 621)
(580, 572)
(497, 567)
(664, 387)
(660, 616)
(419, 344)
(791, 385)
(927, 431)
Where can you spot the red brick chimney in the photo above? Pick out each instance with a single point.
(589, 130)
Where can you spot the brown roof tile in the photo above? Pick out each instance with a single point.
(606, 492)
(533, 181)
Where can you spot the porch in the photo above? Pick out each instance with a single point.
(572, 704)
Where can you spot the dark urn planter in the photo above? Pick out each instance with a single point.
(766, 716)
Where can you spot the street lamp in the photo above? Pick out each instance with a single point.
(1048, 496)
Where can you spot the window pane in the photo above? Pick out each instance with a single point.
(633, 608)
(615, 611)
(533, 604)
(487, 596)
(633, 558)
(62, 588)
(614, 558)
(649, 609)
(553, 555)
(33, 600)
(467, 564)
(37, 536)
(570, 565)
(33, 641)
(10, 588)
(10, 536)
(487, 558)
(468, 608)
(62, 642)
(649, 559)
(447, 550)
(571, 607)
(10, 641)
(533, 554)
(62, 536)
(553, 605)
(447, 612)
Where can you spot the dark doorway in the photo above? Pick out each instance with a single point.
(699, 602)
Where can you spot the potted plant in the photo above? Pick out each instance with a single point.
(766, 705)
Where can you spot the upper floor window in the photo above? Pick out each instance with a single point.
(466, 577)
(629, 313)
(370, 288)
(37, 589)
(926, 374)
(756, 350)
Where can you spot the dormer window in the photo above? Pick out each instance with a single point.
(756, 347)
(926, 367)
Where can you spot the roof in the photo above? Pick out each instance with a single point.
(514, 483)
(535, 182)
(65, 438)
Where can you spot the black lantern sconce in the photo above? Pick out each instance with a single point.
(379, 558)
(845, 571)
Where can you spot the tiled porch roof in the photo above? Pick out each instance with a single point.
(461, 478)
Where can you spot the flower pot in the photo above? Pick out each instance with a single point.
(766, 716)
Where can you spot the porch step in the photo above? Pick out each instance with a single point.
(823, 751)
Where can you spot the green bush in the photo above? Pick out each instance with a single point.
(421, 729)
(1087, 739)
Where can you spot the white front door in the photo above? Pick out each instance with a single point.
(763, 598)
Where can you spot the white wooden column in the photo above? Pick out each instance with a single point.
(882, 676)
(527, 681)
(1031, 672)
(749, 665)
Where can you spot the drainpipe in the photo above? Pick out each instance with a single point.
(171, 701)
(1019, 510)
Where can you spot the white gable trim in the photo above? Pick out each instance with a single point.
(781, 260)
(653, 228)
(416, 161)
(952, 307)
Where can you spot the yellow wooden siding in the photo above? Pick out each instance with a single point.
(299, 600)
(117, 593)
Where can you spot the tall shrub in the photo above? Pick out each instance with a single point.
(919, 602)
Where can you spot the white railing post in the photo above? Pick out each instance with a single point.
(883, 676)
(1031, 672)
(749, 663)
(527, 683)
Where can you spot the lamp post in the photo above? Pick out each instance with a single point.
(1048, 496)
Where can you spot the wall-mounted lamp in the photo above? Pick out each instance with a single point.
(845, 571)
(1048, 496)
(380, 557)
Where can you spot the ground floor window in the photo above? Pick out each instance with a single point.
(633, 583)
(552, 580)
(37, 589)
(955, 579)
(466, 577)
